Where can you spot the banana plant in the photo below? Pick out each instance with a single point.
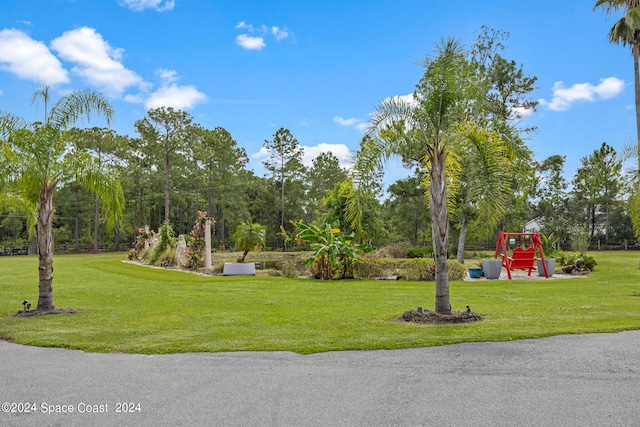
(333, 250)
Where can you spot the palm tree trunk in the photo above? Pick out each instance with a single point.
(636, 77)
(462, 238)
(440, 229)
(167, 188)
(44, 236)
(282, 201)
(96, 224)
(76, 243)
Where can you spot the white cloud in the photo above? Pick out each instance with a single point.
(279, 33)
(167, 76)
(159, 5)
(97, 62)
(359, 124)
(564, 98)
(341, 151)
(172, 95)
(519, 113)
(249, 42)
(254, 37)
(29, 59)
(263, 153)
(178, 97)
(244, 25)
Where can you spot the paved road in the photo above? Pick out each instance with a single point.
(576, 380)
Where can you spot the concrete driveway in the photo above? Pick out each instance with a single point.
(576, 380)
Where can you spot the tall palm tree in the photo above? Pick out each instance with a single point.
(36, 161)
(400, 126)
(248, 236)
(626, 31)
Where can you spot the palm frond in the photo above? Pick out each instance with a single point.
(10, 199)
(71, 107)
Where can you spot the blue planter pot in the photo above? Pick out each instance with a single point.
(475, 273)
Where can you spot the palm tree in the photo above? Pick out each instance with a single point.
(626, 31)
(249, 235)
(36, 160)
(422, 125)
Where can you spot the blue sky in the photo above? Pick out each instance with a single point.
(316, 68)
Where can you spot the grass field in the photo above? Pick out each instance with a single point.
(129, 308)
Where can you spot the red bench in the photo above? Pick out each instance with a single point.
(521, 259)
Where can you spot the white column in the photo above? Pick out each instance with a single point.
(207, 245)
(146, 241)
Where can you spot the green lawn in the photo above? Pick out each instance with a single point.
(129, 308)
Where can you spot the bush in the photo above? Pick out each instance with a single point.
(457, 271)
(166, 242)
(291, 268)
(138, 251)
(565, 257)
(422, 269)
(371, 268)
(394, 250)
(569, 258)
(589, 262)
(167, 258)
(420, 252)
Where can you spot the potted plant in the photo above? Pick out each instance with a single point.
(476, 272)
(248, 237)
(549, 249)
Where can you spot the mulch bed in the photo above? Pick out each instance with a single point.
(43, 312)
(432, 318)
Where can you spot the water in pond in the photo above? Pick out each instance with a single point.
(264, 265)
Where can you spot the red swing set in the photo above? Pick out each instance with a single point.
(521, 258)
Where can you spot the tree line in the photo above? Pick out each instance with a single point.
(174, 168)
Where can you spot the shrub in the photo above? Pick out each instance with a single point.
(371, 268)
(422, 269)
(394, 250)
(290, 267)
(166, 242)
(138, 252)
(569, 258)
(194, 258)
(565, 258)
(457, 271)
(167, 258)
(589, 262)
(420, 252)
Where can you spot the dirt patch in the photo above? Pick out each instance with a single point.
(44, 312)
(432, 318)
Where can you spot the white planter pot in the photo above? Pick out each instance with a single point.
(239, 269)
(492, 268)
(551, 265)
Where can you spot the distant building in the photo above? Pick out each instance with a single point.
(532, 226)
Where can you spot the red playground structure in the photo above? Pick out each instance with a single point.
(523, 256)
